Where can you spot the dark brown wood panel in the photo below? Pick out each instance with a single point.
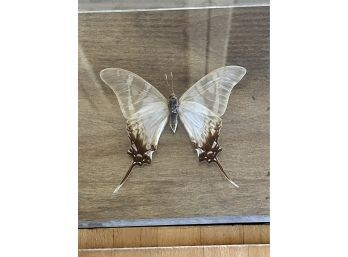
(175, 185)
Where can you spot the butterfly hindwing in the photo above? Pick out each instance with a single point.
(145, 109)
(198, 121)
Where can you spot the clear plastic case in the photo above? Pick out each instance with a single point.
(189, 39)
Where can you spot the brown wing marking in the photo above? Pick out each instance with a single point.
(211, 148)
(138, 150)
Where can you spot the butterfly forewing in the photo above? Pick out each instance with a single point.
(133, 92)
(214, 89)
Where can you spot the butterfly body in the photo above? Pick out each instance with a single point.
(147, 112)
(173, 105)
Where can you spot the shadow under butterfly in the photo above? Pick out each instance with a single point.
(147, 112)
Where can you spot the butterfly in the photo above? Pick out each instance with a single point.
(147, 112)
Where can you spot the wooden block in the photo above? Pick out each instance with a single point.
(95, 238)
(256, 234)
(149, 237)
(224, 235)
(172, 236)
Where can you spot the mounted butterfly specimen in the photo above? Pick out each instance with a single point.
(147, 112)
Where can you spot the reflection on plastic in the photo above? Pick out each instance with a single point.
(158, 5)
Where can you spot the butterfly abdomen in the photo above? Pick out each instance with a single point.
(173, 106)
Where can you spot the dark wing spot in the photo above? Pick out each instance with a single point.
(211, 147)
(138, 149)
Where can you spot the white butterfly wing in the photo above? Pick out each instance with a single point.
(145, 109)
(214, 89)
(198, 121)
(201, 106)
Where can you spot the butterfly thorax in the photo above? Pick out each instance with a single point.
(173, 105)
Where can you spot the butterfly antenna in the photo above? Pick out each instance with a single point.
(171, 74)
(224, 173)
(125, 178)
(166, 79)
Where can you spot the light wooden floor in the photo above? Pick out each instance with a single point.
(187, 251)
(191, 241)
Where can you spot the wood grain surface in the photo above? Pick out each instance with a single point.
(173, 236)
(187, 251)
(175, 185)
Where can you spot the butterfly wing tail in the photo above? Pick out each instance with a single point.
(224, 173)
(124, 178)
